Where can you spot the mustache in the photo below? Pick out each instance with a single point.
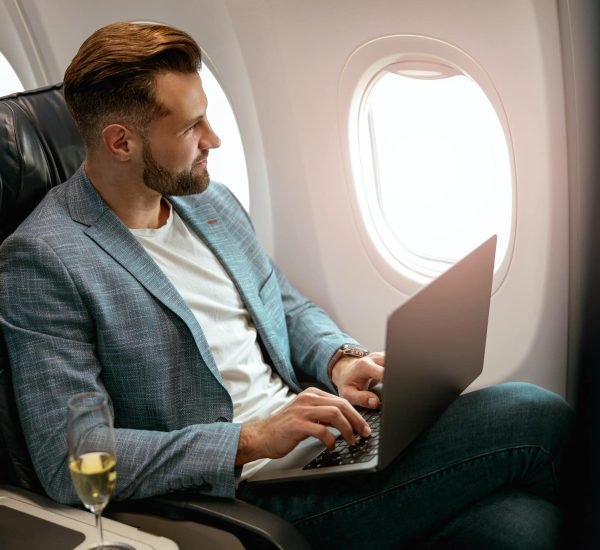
(201, 158)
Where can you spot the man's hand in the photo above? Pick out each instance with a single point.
(355, 376)
(309, 414)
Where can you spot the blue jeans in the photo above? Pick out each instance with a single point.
(483, 476)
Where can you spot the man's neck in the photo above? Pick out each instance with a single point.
(135, 204)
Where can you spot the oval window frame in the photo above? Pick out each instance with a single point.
(359, 73)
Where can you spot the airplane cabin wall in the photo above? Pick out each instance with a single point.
(317, 238)
(16, 44)
(282, 65)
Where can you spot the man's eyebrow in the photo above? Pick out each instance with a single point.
(195, 119)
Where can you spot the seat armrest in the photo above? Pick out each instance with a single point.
(253, 526)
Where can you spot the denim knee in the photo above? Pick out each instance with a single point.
(540, 414)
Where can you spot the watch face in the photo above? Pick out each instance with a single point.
(355, 351)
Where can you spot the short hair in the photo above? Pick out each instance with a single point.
(112, 77)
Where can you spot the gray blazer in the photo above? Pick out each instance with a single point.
(83, 307)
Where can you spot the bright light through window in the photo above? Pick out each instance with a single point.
(227, 164)
(435, 157)
(9, 81)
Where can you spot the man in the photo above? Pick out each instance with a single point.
(142, 279)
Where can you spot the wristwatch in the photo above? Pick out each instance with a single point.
(351, 350)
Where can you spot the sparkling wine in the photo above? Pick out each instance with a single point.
(94, 476)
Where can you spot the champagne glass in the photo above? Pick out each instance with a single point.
(92, 459)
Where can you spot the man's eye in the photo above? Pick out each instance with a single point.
(194, 126)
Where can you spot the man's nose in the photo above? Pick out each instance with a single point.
(210, 140)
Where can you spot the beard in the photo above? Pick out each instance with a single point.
(184, 182)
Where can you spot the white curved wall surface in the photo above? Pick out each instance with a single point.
(281, 63)
(317, 240)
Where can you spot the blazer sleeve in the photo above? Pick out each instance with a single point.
(51, 340)
(313, 336)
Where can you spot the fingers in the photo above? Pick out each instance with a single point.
(330, 410)
(324, 419)
(362, 398)
(339, 413)
(365, 373)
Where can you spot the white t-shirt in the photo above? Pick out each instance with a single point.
(256, 390)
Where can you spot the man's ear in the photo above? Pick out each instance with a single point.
(119, 142)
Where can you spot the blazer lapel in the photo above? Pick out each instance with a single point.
(207, 223)
(204, 221)
(107, 230)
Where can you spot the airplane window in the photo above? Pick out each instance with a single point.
(436, 164)
(227, 164)
(9, 81)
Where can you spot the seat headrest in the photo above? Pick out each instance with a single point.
(40, 147)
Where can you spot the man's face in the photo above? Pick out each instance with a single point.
(176, 145)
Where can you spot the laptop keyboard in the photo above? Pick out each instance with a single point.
(363, 450)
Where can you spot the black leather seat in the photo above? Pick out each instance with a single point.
(40, 147)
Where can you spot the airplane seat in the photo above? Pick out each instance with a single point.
(15, 465)
(40, 147)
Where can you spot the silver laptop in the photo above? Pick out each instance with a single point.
(435, 346)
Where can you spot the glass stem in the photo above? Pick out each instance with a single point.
(99, 529)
